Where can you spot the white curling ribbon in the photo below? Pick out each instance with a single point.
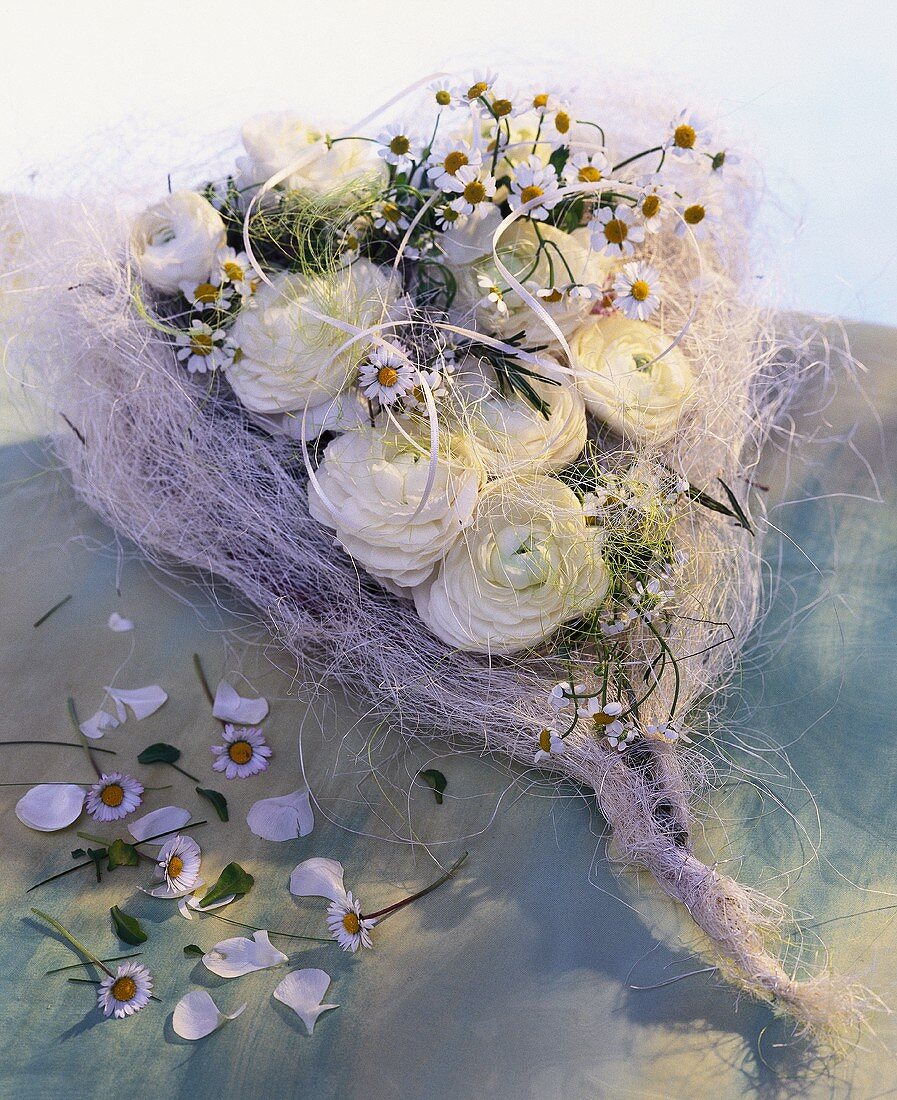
(240, 955)
(196, 1015)
(303, 991)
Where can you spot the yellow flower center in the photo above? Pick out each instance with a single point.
(553, 296)
(387, 376)
(474, 192)
(175, 866)
(650, 205)
(545, 740)
(205, 292)
(694, 214)
(352, 924)
(234, 272)
(240, 752)
(450, 215)
(201, 343)
(112, 795)
(601, 719)
(589, 174)
(478, 89)
(616, 231)
(540, 100)
(530, 193)
(399, 145)
(562, 122)
(391, 212)
(123, 989)
(684, 137)
(455, 160)
(443, 98)
(502, 107)
(640, 290)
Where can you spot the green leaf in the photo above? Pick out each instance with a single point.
(558, 158)
(192, 951)
(97, 855)
(127, 928)
(436, 780)
(122, 855)
(232, 880)
(217, 799)
(159, 753)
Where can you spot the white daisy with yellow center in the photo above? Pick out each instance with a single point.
(243, 753)
(125, 992)
(615, 231)
(637, 290)
(203, 348)
(178, 864)
(347, 926)
(113, 797)
(387, 374)
(536, 183)
(698, 215)
(688, 136)
(551, 744)
(390, 217)
(482, 82)
(448, 157)
(602, 719)
(477, 191)
(207, 295)
(654, 204)
(585, 168)
(235, 271)
(398, 147)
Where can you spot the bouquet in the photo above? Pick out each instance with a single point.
(467, 405)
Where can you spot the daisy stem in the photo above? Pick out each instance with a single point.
(183, 772)
(61, 744)
(396, 906)
(75, 943)
(669, 653)
(74, 966)
(271, 931)
(73, 714)
(637, 156)
(200, 672)
(56, 606)
(61, 874)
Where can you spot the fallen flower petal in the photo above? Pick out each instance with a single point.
(142, 701)
(186, 904)
(303, 991)
(119, 625)
(50, 806)
(96, 725)
(167, 819)
(284, 817)
(231, 707)
(319, 878)
(196, 1015)
(242, 955)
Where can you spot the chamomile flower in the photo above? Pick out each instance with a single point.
(667, 732)
(178, 863)
(654, 203)
(505, 106)
(448, 157)
(390, 218)
(723, 160)
(235, 270)
(550, 744)
(557, 124)
(604, 718)
(687, 137)
(244, 752)
(447, 217)
(615, 230)
(397, 147)
(585, 167)
(561, 695)
(623, 739)
(202, 296)
(347, 926)
(615, 622)
(649, 598)
(476, 195)
(483, 82)
(534, 182)
(203, 348)
(545, 98)
(444, 95)
(698, 216)
(493, 296)
(126, 992)
(114, 796)
(387, 374)
(637, 289)
(353, 239)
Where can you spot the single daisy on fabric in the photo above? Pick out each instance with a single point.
(637, 289)
(320, 877)
(615, 230)
(397, 147)
(603, 717)
(347, 926)
(244, 752)
(386, 374)
(204, 348)
(550, 744)
(125, 992)
(476, 194)
(448, 157)
(586, 167)
(178, 864)
(534, 182)
(687, 137)
(202, 296)
(235, 270)
(113, 797)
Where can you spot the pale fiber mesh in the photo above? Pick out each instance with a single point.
(171, 462)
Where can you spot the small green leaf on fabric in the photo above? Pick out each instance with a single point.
(218, 801)
(97, 855)
(159, 753)
(127, 928)
(122, 855)
(193, 952)
(436, 781)
(232, 880)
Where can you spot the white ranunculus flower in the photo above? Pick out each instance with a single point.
(529, 562)
(375, 482)
(275, 141)
(517, 249)
(176, 241)
(507, 434)
(610, 355)
(286, 355)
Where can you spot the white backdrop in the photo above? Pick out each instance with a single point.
(810, 85)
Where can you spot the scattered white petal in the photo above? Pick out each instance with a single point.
(318, 878)
(118, 624)
(159, 823)
(50, 806)
(241, 955)
(192, 902)
(303, 991)
(142, 701)
(97, 724)
(284, 817)
(231, 707)
(196, 1015)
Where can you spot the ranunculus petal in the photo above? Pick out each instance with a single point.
(231, 707)
(242, 955)
(142, 701)
(284, 817)
(118, 624)
(303, 991)
(318, 878)
(96, 725)
(50, 806)
(167, 819)
(196, 1015)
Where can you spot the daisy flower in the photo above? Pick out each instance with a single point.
(178, 863)
(483, 81)
(557, 125)
(386, 374)
(561, 695)
(698, 217)
(723, 160)
(615, 230)
(604, 718)
(534, 182)
(235, 270)
(613, 623)
(687, 135)
(655, 202)
(204, 348)
(505, 107)
(585, 167)
(244, 753)
(203, 296)
(397, 147)
(347, 926)
(545, 98)
(637, 289)
(666, 731)
(445, 161)
(493, 296)
(390, 218)
(444, 95)
(126, 992)
(476, 194)
(550, 744)
(114, 796)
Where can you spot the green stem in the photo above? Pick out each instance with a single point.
(74, 966)
(381, 914)
(177, 768)
(61, 874)
(200, 672)
(270, 931)
(73, 714)
(61, 744)
(56, 606)
(75, 943)
(677, 683)
(637, 156)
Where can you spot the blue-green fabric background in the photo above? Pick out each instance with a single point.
(517, 980)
